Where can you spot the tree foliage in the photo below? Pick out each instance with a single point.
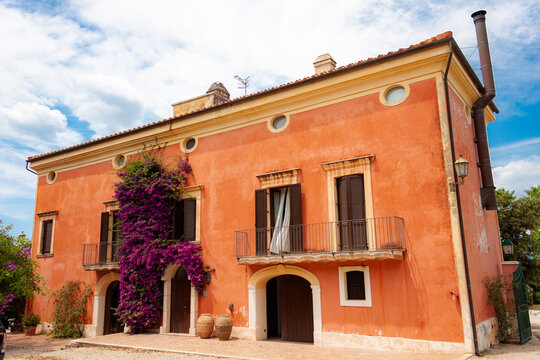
(519, 221)
(18, 277)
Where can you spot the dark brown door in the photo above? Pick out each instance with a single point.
(180, 302)
(352, 213)
(296, 307)
(112, 324)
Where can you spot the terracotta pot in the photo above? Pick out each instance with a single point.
(223, 327)
(30, 330)
(205, 326)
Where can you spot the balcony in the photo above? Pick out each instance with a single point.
(100, 256)
(363, 239)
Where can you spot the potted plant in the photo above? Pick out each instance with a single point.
(30, 322)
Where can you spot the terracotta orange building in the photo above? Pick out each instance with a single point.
(328, 207)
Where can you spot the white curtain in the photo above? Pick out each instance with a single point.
(280, 239)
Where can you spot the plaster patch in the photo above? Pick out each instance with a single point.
(478, 210)
(483, 244)
(487, 333)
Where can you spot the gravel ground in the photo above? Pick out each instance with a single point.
(92, 353)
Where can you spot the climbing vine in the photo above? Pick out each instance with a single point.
(146, 193)
(497, 289)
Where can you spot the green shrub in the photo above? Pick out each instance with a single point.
(536, 297)
(70, 309)
(31, 319)
(497, 289)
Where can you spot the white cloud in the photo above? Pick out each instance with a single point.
(36, 126)
(518, 175)
(118, 64)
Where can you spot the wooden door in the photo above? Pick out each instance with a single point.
(296, 309)
(112, 324)
(180, 302)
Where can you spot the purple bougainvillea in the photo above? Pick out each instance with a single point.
(146, 193)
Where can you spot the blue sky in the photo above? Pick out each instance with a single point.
(76, 70)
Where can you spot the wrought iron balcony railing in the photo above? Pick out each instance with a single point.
(103, 255)
(362, 239)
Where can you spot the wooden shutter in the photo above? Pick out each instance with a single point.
(296, 231)
(356, 197)
(260, 222)
(296, 204)
(342, 199)
(356, 289)
(190, 217)
(351, 212)
(116, 227)
(46, 237)
(178, 220)
(103, 237)
(260, 208)
(104, 234)
(115, 238)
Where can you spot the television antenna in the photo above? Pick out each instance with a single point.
(244, 83)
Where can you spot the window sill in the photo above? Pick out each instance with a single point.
(44, 255)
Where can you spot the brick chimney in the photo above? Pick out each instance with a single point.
(216, 94)
(324, 63)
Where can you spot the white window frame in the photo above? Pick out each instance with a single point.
(343, 301)
(44, 216)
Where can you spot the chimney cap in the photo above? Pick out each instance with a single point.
(324, 63)
(478, 14)
(324, 58)
(217, 86)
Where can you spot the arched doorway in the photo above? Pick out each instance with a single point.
(180, 302)
(257, 290)
(111, 323)
(289, 308)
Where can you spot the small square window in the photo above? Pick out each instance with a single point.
(354, 286)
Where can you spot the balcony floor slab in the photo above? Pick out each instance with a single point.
(313, 258)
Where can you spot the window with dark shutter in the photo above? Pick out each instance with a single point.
(295, 232)
(261, 224)
(178, 220)
(104, 237)
(184, 219)
(190, 207)
(46, 236)
(351, 212)
(355, 285)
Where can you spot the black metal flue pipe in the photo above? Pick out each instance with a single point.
(488, 188)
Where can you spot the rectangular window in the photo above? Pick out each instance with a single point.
(109, 237)
(47, 223)
(351, 212)
(46, 236)
(185, 219)
(278, 220)
(354, 286)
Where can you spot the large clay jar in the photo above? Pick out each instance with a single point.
(223, 327)
(205, 326)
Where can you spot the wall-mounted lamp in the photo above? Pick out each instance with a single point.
(462, 169)
(508, 249)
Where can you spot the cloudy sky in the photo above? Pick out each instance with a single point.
(75, 70)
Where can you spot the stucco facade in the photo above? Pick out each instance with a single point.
(338, 123)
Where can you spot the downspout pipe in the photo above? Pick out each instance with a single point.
(488, 188)
(29, 169)
(460, 213)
